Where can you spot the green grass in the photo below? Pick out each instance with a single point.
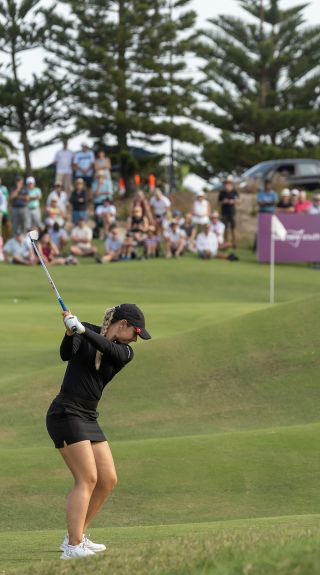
(214, 427)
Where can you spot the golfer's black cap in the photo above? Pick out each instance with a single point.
(134, 316)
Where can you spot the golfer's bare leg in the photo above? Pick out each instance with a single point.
(106, 479)
(80, 459)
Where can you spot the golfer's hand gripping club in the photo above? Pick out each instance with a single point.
(73, 324)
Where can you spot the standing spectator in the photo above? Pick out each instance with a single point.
(20, 213)
(35, 196)
(113, 246)
(200, 209)
(81, 236)
(228, 199)
(175, 240)
(54, 214)
(285, 206)
(103, 164)
(303, 205)
(151, 243)
(59, 194)
(101, 189)
(267, 198)
(63, 162)
(191, 229)
(59, 236)
(79, 201)
(207, 243)
(218, 228)
(160, 205)
(5, 221)
(105, 216)
(3, 203)
(18, 250)
(84, 164)
(314, 209)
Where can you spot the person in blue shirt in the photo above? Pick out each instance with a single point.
(267, 198)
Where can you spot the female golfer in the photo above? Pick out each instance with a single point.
(95, 355)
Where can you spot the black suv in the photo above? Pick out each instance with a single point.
(302, 173)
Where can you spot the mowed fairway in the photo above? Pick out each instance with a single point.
(214, 427)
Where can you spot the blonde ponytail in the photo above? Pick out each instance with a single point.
(107, 320)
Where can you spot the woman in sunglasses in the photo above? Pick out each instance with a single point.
(95, 354)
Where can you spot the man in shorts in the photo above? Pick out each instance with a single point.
(81, 237)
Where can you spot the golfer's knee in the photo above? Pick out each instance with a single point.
(107, 483)
(88, 482)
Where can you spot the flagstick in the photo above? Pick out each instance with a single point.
(272, 251)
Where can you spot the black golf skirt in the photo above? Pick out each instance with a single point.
(70, 420)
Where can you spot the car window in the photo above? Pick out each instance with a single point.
(285, 170)
(308, 169)
(258, 170)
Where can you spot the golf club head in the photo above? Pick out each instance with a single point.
(34, 235)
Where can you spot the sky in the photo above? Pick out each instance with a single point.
(205, 9)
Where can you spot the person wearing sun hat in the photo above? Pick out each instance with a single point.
(285, 204)
(95, 354)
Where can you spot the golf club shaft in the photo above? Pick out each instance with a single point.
(60, 300)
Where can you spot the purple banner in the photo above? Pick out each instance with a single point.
(302, 243)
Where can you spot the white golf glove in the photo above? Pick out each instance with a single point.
(73, 324)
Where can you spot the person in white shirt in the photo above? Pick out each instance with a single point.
(200, 209)
(160, 205)
(207, 243)
(18, 250)
(63, 162)
(61, 196)
(106, 215)
(81, 236)
(84, 164)
(175, 240)
(218, 228)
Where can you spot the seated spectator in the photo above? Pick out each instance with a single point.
(200, 209)
(303, 205)
(54, 214)
(81, 237)
(59, 236)
(267, 198)
(18, 250)
(139, 199)
(128, 247)
(207, 243)
(113, 247)
(4, 216)
(35, 196)
(285, 204)
(79, 201)
(103, 165)
(295, 197)
(106, 216)
(50, 252)
(160, 205)
(151, 243)
(218, 228)
(314, 209)
(59, 194)
(138, 225)
(175, 240)
(101, 189)
(191, 229)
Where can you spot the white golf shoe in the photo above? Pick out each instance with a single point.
(95, 547)
(76, 551)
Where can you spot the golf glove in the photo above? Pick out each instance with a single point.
(73, 324)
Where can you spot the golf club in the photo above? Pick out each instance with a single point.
(34, 236)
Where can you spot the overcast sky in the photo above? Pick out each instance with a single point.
(205, 9)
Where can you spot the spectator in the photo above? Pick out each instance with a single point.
(59, 194)
(50, 253)
(79, 201)
(106, 216)
(218, 228)
(294, 197)
(103, 164)
(18, 250)
(175, 240)
(160, 205)
(5, 221)
(191, 229)
(128, 247)
(113, 246)
(138, 225)
(3, 204)
(303, 205)
(151, 243)
(81, 236)
(63, 162)
(315, 207)
(140, 200)
(84, 164)
(207, 243)
(101, 189)
(59, 236)
(35, 196)
(20, 213)
(267, 198)
(285, 204)
(200, 209)
(228, 199)
(54, 214)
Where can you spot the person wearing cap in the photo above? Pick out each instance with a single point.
(83, 164)
(18, 250)
(61, 196)
(19, 198)
(81, 237)
(218, 228)
(200, 209)
(228, 200)
(285, 204)
(175, 240)
(314, 209)
(35, 196)
(95, 354)
(79, 201)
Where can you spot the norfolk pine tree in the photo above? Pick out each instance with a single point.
(261, 86)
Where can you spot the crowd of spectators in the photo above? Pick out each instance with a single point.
(79, 218)
(290, 201)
